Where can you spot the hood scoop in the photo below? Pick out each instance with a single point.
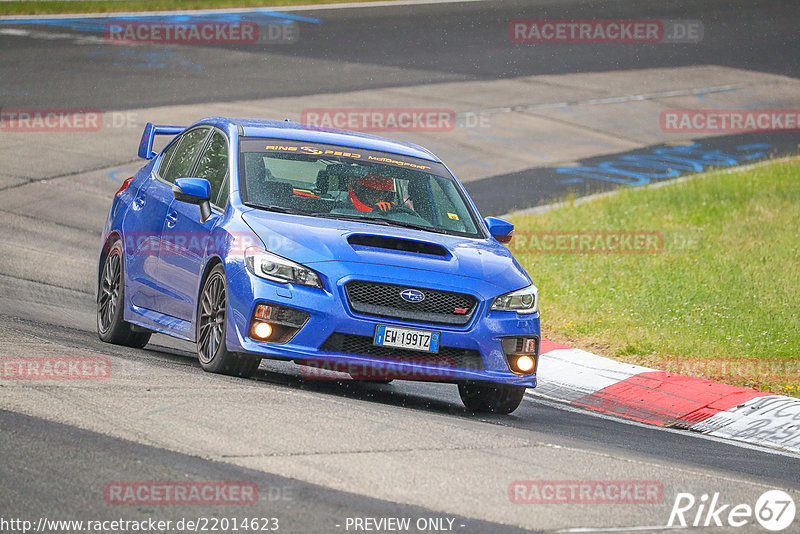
(398, 244)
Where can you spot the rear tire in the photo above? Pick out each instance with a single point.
(111, 327)
(212, 316)
(490, 397)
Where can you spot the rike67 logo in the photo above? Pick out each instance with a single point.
(774, 510)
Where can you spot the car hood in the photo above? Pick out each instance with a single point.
(316, 241)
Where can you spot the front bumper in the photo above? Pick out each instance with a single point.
(331, 320)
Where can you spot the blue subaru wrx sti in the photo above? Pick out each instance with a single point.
(336, 250)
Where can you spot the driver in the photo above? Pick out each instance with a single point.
(372, 193)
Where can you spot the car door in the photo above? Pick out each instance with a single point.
(144, 222)
(181, 263)
(153, 199)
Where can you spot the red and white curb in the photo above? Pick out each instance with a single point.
(660, 398)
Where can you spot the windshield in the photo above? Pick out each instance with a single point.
(355, 184)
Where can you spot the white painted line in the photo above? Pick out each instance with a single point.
(53, 36)
(620, 529)
(313, 7)
(562, 405)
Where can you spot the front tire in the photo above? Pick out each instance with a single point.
(111, 327)
(490, 397)
(212, 315)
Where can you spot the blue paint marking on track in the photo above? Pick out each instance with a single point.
(113, 175)
(663, 163)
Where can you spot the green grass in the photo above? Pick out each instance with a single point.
(722, 300)
(111, 6)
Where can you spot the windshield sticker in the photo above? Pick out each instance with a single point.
(312, 151)
(361, 155)
(453, 216)
(391, 161)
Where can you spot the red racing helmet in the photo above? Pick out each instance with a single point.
(372, 190)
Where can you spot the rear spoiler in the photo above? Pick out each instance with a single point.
(150, 132)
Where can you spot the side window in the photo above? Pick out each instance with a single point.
(162, 167)
(213, 163)
(183, 159)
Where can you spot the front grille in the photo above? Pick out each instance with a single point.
(362, 346)
(383, 300)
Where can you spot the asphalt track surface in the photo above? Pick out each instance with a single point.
(330, 450)
(389, 46)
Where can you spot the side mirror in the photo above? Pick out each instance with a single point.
(194, 191)
(500, 229)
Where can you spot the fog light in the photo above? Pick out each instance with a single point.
(274, 323)
(525, 364)
(262, 330)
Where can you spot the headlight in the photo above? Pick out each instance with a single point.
(278, 269)
(525, 300)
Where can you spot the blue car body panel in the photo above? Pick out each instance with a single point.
(162, 283)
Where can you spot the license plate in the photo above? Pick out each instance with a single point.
(406, 338)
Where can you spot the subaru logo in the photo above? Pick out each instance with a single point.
(412, 295)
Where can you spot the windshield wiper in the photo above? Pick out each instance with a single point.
(278, 209)
(345, 217)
